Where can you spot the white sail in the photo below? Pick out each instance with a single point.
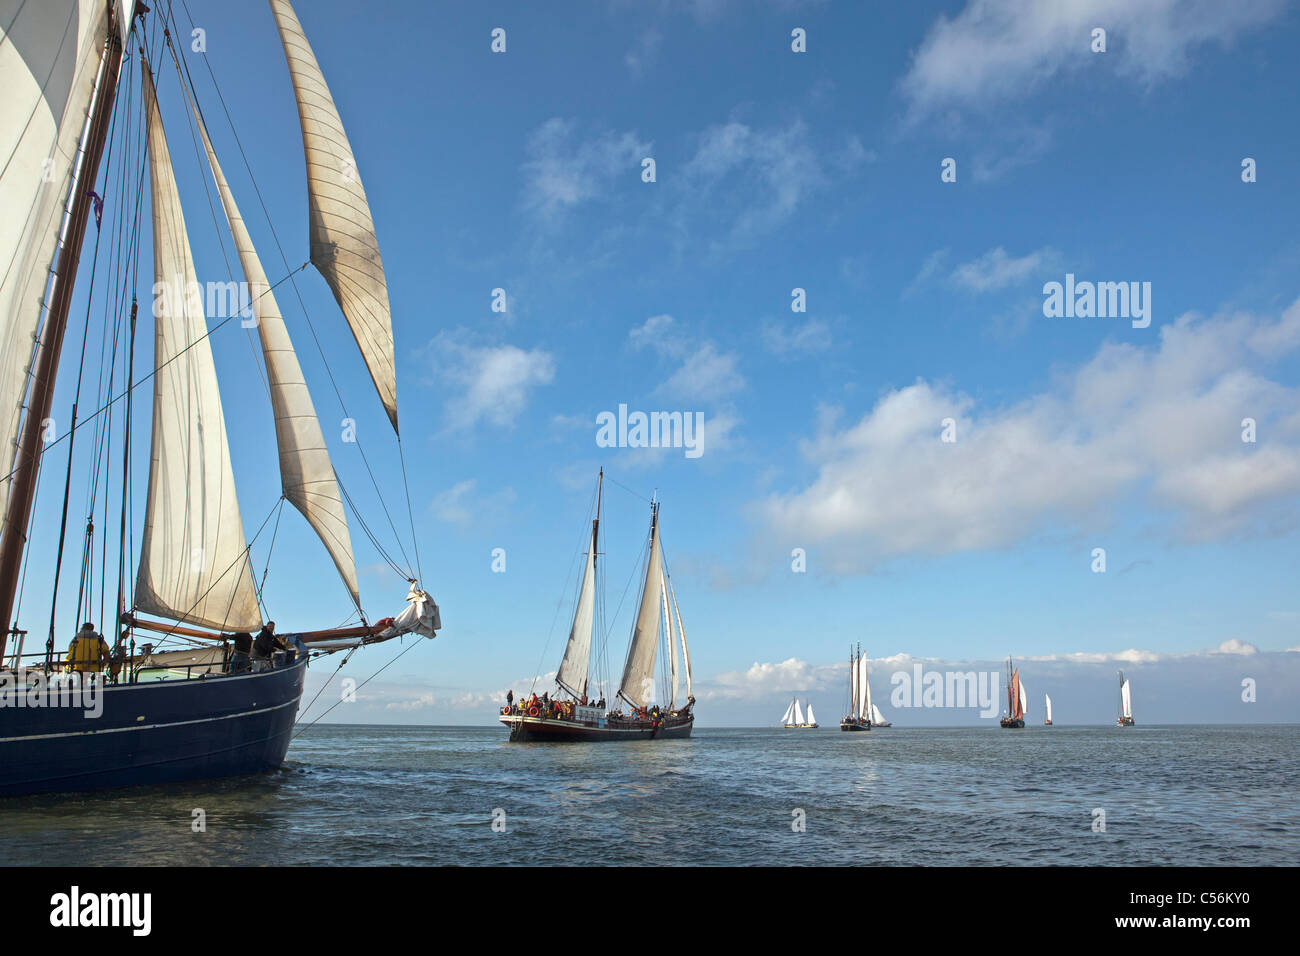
(853, 686)
(1126, 699)
(343, 244)
(1048, 698)
(577, 653)
(49, 59)
(877, 717)
(637, 685)
(672, 645)
(194, 563)
(864, 692)
(1024, 701)
(812, 718)
(789, 714)
(798, 712)
(681, 632)
(306, 474)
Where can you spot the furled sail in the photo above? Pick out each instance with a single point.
(342, 233)
(577, 654)
(672, 645)
(49, 58)
(637, 685)
(306, 475)
(194, 564)
(681, 632)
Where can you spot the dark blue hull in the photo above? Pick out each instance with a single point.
(154, 732)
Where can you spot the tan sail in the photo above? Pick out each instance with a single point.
(343, 243)
(49, 57)
(637, 686)
(306, 475)
(194, 563)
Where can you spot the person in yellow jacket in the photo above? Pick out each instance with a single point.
(88, 650)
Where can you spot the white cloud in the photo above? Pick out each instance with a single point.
(706, 373)
(802, 338)
(644, 52)
(560, 174)
(496, 381)
(1236, 646)
(996, 270)
(997, 50)
(461, 504)
(1163, 423)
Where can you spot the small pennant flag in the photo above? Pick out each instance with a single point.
(99, 207)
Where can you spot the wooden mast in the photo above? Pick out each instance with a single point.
(13, 538)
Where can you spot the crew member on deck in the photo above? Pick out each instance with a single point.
(264, 645)
(88, 650)
(239, 661)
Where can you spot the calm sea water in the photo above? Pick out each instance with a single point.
(426, 795)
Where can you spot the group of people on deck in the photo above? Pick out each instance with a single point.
(545, 706)
(254, 653)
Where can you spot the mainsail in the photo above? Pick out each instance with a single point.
(798, 712)
(1048, 699)
(49, 57)
(672, 646)
(306, 475)
(343, 244)
(812, 719)
(637, 686)
(1015, 706)
(577, 653)
(864, 689)
(1024, 701)
(1125, 698)
(681, 632)
(194, 563)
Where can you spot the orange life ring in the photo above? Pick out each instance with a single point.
(533, 711)
(505, 710)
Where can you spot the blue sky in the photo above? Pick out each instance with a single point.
(778, 170)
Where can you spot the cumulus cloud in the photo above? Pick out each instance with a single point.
(495, 381)
(797, 338)
(993, 51)
(1162, 422)
(561, 173)
(996, 270)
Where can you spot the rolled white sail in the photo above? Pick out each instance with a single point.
(798, 712)
(306, 474)
(49, 58)
(681, 632)
(672, 646)
(342, 233)
(812, 718)
(638, 674)
(577, 653)
(194, 564)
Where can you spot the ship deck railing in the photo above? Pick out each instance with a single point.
(25, 666)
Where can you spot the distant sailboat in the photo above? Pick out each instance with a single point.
(878, 719)
(1048, 721)
(1125, 718)
(859, 716)
(794, 719)
(1017, 701)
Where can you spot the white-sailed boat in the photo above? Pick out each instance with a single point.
(793, 718)
(1048, 699)
(1125, 718)
(878, 719)
(859, 715)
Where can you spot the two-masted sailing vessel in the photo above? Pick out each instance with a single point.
(860, 706)
(1125, 718)
(1017, 699)
(794, 718)
(578, 711)
(1047, 701)
(174, 697)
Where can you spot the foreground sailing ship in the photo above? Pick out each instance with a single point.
(1017, 699)
(572, 714)
(859, 716)
(192, 712)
